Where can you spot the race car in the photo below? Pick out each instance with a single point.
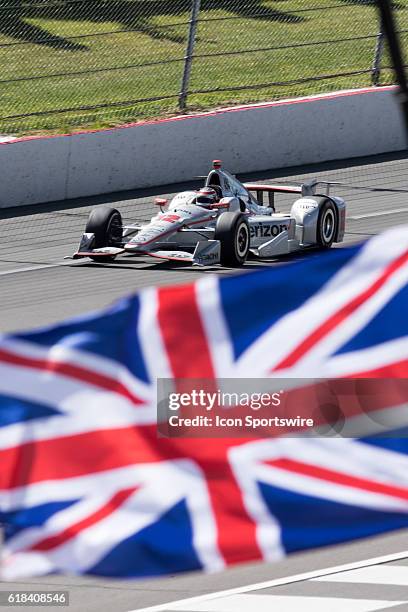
(222, 223)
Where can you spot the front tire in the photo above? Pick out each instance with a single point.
(232, 230)
(106, 224)
(327, 224)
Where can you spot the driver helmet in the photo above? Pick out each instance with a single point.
(206, 196)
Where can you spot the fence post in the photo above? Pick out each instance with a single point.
(376, 67)
(195, 11)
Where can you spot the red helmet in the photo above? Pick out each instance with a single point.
(206, 196)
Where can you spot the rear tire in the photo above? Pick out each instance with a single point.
(106, 224)
(232, 230)
(327, 225)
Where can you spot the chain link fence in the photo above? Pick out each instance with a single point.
(68, 64)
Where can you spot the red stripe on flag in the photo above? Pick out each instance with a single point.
(71, 371)
(105, 449)
(70, 532)
(236, 531)
(183, 333)
(398, 369)
(189, 356)
(77, 455)
(356, 482)
(342, 314)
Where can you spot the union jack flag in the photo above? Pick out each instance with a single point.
(86, 486)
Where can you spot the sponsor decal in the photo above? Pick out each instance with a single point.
(183, 197)
(185, 211)
(306, 204)
(180, 255)
(208, 257)
(141, 238)
(157, 230)
(267, 231)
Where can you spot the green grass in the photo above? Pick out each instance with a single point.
(111, 63)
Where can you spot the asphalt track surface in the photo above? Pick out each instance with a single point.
(37, 287)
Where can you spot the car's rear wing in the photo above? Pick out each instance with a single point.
(273, 188)
(305, 189)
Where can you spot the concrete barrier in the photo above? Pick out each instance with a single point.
(247, 138)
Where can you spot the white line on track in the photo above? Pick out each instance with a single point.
(287, 603)
(278, 582)
(39, 267)
(373, 574)
(379, 213)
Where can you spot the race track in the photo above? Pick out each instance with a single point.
(38, 287)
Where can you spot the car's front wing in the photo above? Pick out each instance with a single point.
(206, 252)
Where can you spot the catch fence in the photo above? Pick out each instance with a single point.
(67, 64)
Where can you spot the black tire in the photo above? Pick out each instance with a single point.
(106, 224)
(232, 230)
(327, 225)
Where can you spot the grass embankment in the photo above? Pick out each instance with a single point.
(85, 56)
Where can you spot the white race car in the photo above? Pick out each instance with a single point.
(222, 223)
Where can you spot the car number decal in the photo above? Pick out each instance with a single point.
(170, 218)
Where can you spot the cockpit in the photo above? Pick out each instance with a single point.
(227, 185)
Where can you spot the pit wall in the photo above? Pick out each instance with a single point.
(247, 138)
